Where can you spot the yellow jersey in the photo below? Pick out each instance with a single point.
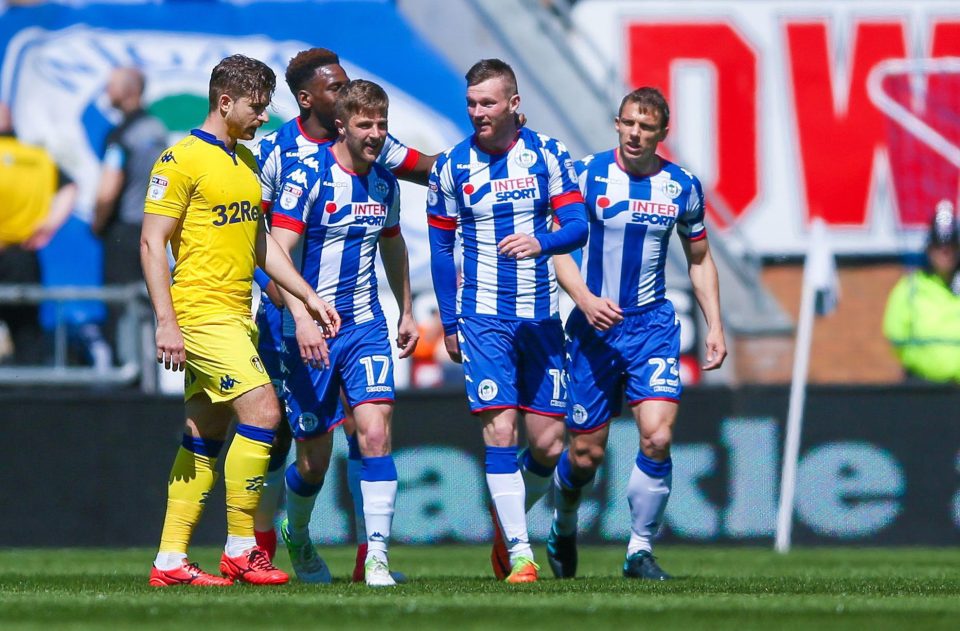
(28, 181)
(215, 195)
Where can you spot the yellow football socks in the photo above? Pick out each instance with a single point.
(243, 473)
(189, 484)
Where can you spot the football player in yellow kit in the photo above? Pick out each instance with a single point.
(204, 199)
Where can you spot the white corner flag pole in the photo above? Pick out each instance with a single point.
(819, 273)
(798, 393)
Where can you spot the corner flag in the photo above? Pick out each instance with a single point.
(819, 294)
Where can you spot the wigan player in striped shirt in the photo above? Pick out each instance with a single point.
(351, 211)
(624, 332)
(288, 166)
(501, 189)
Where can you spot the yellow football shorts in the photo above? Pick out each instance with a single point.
(222, 359)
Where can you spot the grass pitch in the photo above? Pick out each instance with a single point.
(452, 587)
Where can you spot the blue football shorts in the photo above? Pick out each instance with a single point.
(513, 364)
(270, 342)
(641, 354)
(361, 363)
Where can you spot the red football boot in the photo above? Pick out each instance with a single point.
(254, 567)
(186, 574)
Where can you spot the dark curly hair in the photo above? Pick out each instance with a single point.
(239, 76)
(305, 64)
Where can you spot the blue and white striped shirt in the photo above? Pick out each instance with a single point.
(631, 219)
(487, 197)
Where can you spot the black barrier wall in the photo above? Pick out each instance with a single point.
(878, 466)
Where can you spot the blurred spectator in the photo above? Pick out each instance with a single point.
(922, 318)
(131, 150)
(429, 359)
(37, 198)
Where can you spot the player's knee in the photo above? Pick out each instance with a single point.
(547, 449)
(546, 444)
(376, 442)
(501, 435)
(586, 457)
(313, 471)
(657, 444)
(269, 416)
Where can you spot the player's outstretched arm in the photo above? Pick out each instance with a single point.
(310, 338)
(706, 289)
(571, 235)
(154, 235)
(601, 313)
(420, 173)
(276, 263)
(393, 251)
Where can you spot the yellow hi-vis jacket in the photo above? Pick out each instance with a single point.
(28, 181)
(922, 321)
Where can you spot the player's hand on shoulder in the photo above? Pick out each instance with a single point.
(716, 350)
(452, 344)
(312, 343)
(407, 335)
(601, 313)
(519, 246)
(170, 351)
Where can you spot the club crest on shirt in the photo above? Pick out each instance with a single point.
(525, 158)
(381, 187)
(432, 198)
(672, 189)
